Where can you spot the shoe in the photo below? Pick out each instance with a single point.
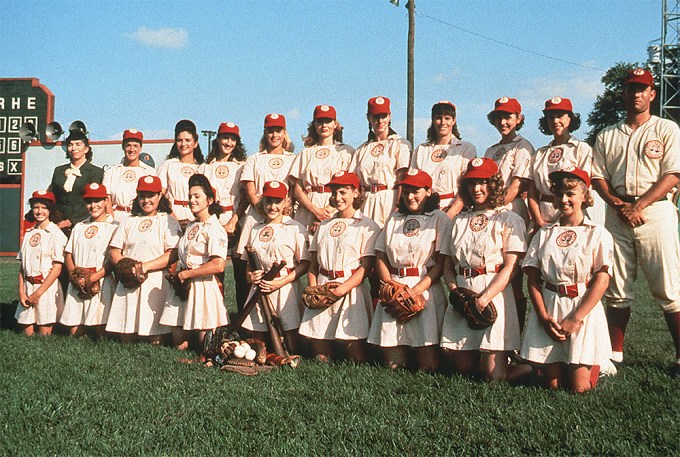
(617, 356)
(608, 369)
(675, 371)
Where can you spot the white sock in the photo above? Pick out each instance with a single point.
(618, 356)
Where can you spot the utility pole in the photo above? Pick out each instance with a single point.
(410, 111)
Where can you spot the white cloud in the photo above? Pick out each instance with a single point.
(293, 114)
(445, 76)
(581, 87)
(148, 135)
(160, 38)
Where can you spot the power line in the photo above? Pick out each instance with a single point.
(506, 44)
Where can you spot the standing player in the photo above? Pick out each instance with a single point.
(380, 161)
(444, 156)
(183, 161)
(636, 164)
(563, 151)
(121, 179)
(323, 156)
(41, 298)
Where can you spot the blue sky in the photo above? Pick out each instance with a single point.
(137, 64)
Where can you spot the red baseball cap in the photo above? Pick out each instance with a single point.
(507, 105)
(344, 178)
(444, 102)
(149, 184)
(275, 189)
(228, 127)
(94, 190)
(481, 168)
(416, 178)
(133, 134)
(570, 172)
(42, 195)
(275, 120)
(379, 105)
(640, 76)
(325, 112)
(558, 104)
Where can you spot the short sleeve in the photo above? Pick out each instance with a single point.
(173, 232)
(469, 151)
(403, 154)
(301, 243)
(58, 244)
(599, 164)
(163, 174)
(380, 243)
(248, 173)
(414, 157)
(69, 244)
(107, 181)
(314, 244)
(514, 233)
(443, 227)
(445, 247)
(296, 166)
(217, 241)
(532, 165)
(118, 238)
(522, 165)
(531, 259)
(603, 252)
(585, 157)
(370, 235)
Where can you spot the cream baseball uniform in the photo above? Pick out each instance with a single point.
(225, 177)
(121, 183)
(174, 177)
(139, 310)
(340, 244)
(274, 243)
(376, 163)
(261, 168)
(478, 240)
(314, 167)
(445, 164)
(88, 246)
(205, 307)
(412, 241)
(569, 256)
(39, 249)
(514, 161)
(574, 153)
(632, 161)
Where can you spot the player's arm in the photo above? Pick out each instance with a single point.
(214, 266)
(513, 190)
(594, 293)
(534, 206)
(551, 327)
(321, 214)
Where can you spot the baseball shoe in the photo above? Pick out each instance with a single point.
(608, 369)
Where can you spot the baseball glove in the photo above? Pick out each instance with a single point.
(320, 297)
(81, 280)
(129, 273)
(463, 301)
(181, 288)
(399, 301)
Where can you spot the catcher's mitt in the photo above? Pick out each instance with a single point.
(399, 301)
(81, 280)
(129, 273)
(181, 288)
(463, 301)
(320, 297)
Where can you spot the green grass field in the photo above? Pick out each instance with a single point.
(64, 396)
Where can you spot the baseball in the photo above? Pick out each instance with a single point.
(240, 352)
(250, 354)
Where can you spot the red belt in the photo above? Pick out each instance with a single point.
(444, 196)
(90, 269)
(470, 272)
(547, 198)
(127, 209)
(564, 290)
(373, 188)
(180, 203)
(285, 272)
(406, 271)
(334, 274)
(321, 189)
(35, 279)
(227, 207)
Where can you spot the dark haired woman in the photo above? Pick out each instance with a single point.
(558, 120)
(183, 161)
(342, 251)
(380, 161)
(481, 254)
(69, 180)
(408, 252)
(150, 235)
(202, 254)
(444, 156)
(323, 156)
(41, 298)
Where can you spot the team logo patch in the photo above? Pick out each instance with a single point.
(566, 238)
(438, 155)
(35, 239)
(338, 228)
(222, 171)
(91, 232)
(411, 227)
(129, 176)
(379, 101)
(638, 72)
(322, 153)
(192, 233)
(145, 225)
(266, 234)
(498, 155)
(503, 100)
(276, 163)
(479, 222)
(377, 150)
(231, 125)
(556, 100)
(654, 149)
(274, 116)
(555, 155)
(477, 162)
(187, 171)
(325, 108)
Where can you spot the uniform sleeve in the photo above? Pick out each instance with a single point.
(470, 151)
(58, 244)
(514, 233)
(217, 241)
(603, 252)
(599, 165)
(173, 232)
(163, 174)
(243, 241)
(403, 154)
(118, 238)
(296, 166)
(69, 244)
(532, 166)
(107, 181)
(370, 236)
(670, 163)
(314, 244)
(522, 166)
(414, 157)
(443, 227)
(531, 259)
(585, 157)
(248, 173)
(302, 243)
(380, 242)
(445, 247)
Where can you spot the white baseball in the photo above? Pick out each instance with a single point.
(240, 352)
(250, 354)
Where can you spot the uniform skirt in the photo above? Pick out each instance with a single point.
(203, 310)
(48, 309)
(93, 311)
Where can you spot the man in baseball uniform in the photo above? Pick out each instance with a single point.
(121, 179)
(636, 165)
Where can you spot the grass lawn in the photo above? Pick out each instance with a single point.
(72, 397)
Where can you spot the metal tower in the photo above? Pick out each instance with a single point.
(670, 61)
